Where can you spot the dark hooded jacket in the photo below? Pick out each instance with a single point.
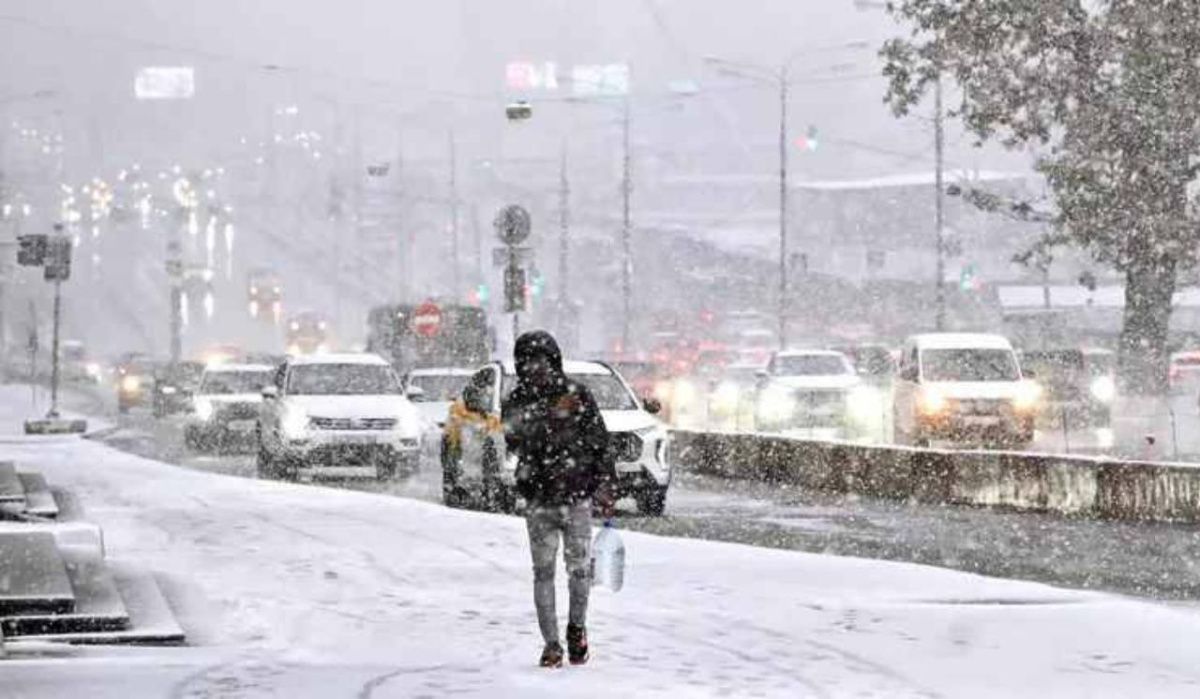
(555, 429)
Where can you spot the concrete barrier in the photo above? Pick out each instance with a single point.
(1075, 485)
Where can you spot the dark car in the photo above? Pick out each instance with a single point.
(873, 362)
(135, 380)
(174, 385)
(1078, 385)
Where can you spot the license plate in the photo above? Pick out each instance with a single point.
(353, 439)
(628, 467)
(242, 425)
(981, 421)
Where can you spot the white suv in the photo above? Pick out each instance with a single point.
(475, 460)
(963, 388)
(809, 392)
(337, 415)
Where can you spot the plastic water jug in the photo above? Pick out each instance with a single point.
(608, 558)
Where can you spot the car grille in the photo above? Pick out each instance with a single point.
(237, 411)
(353, 423)
(982, 407)
(626, 445)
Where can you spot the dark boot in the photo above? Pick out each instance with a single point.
(552, 655)
(577, 644)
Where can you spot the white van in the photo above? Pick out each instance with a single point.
(963, 388)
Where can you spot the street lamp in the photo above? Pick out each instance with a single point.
(780, 78)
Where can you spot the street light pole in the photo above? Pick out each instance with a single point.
(564, 228)
(626, 232)
(457, 261)
(939, 203)
(783, 206)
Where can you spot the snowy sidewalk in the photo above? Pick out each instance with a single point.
(292, 590)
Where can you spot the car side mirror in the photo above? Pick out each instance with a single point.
(270, 392)
(652, 405)
(415, 393)
(1029, 373)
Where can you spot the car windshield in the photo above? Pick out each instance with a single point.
(341, 380)
(969, 365)
(609, 392)
(228, 382)
(439, 387)
(811, 365)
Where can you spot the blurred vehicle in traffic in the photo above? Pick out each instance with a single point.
(174, 384)
(307, 333)
(429, 334)
(339, 416)
(963, 388)
(1078, 386)
(135, 380)
(264, 294)
(732, 398)
(873, 362)
(1184, 372)
(77, 365)
(807, 392)
(199, 295)
(434, 390)
(225, 406)
(476, 466)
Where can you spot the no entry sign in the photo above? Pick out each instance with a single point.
(427, 319)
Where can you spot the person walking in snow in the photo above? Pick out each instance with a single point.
(554, 426)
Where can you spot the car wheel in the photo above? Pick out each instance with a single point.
(192, 440)
(652, 502)
(264, 464)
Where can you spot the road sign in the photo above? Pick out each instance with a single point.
(427, 319)
(501, 256)
(31, 250)
(58, 260)
(512, 225)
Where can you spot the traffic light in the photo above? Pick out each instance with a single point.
(31, 250)
(810, 141)
(514, 289)
(968, 279)
(479, 295)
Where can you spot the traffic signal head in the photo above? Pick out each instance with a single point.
(514, 289)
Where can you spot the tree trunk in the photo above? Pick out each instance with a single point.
(1149, 288)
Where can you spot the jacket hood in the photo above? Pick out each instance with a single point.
(537, 343)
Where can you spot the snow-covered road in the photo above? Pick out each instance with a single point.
(291, 590)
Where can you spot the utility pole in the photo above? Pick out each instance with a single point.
(564, 230)
(457, 259)
(626, 233)
(783, 206)
(939, 203)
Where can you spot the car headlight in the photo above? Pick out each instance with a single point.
(777, 403)
(295, 424)
(726, 396)
(203, 408)
(93, 370)
(864, 403)
(1028, 394)
(1104, 389)
(931, 401)
(683, 392)
(131, 384)
(168, 390)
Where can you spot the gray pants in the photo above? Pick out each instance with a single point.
(546, 524)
